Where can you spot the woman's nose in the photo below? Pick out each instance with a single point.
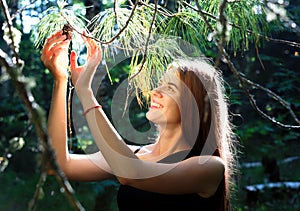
(156, 93)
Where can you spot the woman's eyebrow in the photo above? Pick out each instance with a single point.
(172, 84)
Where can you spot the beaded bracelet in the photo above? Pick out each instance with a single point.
(88, 110)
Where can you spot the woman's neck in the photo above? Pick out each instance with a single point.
(170, 140)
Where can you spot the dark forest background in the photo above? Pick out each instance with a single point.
(268, 154)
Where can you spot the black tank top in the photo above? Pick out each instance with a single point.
(134, 199)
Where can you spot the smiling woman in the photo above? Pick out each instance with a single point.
(165, 101)
(192, 150)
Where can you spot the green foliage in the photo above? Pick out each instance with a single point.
(246, 20)
(161, 50)
(188, 25)
(144, 76)
(105, 26)
(54, 18)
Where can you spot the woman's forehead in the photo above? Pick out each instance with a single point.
(170, 76)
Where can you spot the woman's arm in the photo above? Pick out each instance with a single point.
(77, 167)
(188, 176)
(82, 78)
(200, 174)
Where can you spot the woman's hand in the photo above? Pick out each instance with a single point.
(82, 75)
(55, 55)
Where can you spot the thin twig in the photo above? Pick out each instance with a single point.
(251, 98)
(33, 202)
(32, 108)
(115, 11)
(259, 58)
(202, 14)
(9, 23)
(159, 11)
(284, 103)
(69, 110)
(13, 16)
(147, 43)
(22, 9)
(130, 2)
(115, 36)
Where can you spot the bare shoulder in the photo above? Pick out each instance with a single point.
(211, 160)
(208, 172)
(211, 163)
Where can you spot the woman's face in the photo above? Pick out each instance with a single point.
(164, 106)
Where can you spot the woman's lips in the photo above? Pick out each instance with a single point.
(155, 105)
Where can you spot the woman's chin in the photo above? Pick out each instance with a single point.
(155, 116)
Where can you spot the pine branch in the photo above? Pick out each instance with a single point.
(115, 36)
(206, 14)
(220, 42)
(243, 82)
(147, 43)
(129, 91)
(164, 13)
(125, 26)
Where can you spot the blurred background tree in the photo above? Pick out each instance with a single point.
(269, 153)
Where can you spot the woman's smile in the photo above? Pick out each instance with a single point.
(155, 105)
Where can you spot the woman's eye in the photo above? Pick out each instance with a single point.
(170, 88)
(165, 87)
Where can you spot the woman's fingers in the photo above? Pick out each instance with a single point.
(55, 51)
(64, 45)
(53, 44)
(73, 60)
(50, 40)
(74, 68)
(91, 45)
(53, 41)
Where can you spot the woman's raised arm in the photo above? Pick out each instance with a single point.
(188, 176)
(77, 167)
